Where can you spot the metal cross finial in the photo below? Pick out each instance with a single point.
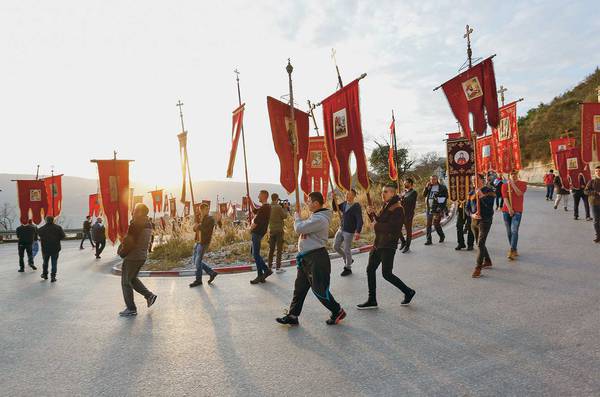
(501, 91)
(180, 105)
(289, 68)
(237, 74)
(333, 55)
(467, 36)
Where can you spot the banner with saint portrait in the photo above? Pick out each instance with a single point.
(33, 200)
(506, 139)
(573, 171)
(315, 171)
(486, 154)
(461, 167)
(113, 177)
(590, 132)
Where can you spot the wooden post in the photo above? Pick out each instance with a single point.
(237, 79)
(292, 132)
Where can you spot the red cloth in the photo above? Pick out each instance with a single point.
(556, 145)
(54, 190)
(571, 166)
(506, 139)
(237, 121)
(343, 136)
(515, 200)
(279, 116)
(173, 207)
(94, 205)
(157, 203)
(549, 179)
(590, 131)
(393, 171)
(470, 92)
(315, 170)
(223, 208)
(454, 135)
(186, 208)
(113, 177)
(32, 198)
(486, 154)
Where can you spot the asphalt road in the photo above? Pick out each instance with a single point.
(525, 328)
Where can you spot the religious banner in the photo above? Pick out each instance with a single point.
(558, 145)
(232, 209)
(173, 207)
(113, 176)
(590, 131)
(506, 140)
(281, 128)
(94, 206)
(486, 154)
(54, 193)
(343, 135)
(315, 170)
(157, 196)
(454, 135)
(571, 166)
(461, 168)
(245, 203)
(236, 128)
(223, 208)
(186, 209)
(474, 92)
(392, 169)
(197, 208)
(166, 204)
(183, 157)
(33, 200)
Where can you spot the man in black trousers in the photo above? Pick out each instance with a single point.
(387, 232)
(87, 235)
(50, 234)
(409, 202)
(99, 236)
(26, 234)
(463, 226)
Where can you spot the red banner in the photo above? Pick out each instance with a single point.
(157, 196)
(236, 128)
(279, 116)
(186, 208)
(343, 135)
(393, 170)
(94, 205)
(173, 207)
(571, 166)
(315, 170)
(471, 92)
(113, 177)
(33, 200)
(451, 136)
(166, 204)
(245, 203)
(506, 140)
(223, 208)
(54, 193)
(560, 144)
(590, 131)
(486, 154)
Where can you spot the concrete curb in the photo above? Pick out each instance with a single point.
(116, 269)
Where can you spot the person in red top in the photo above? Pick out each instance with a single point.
(513, 193)
(549, 182)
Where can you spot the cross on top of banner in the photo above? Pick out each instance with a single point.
(501, 91)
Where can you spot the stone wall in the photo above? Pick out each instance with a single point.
(534, 172)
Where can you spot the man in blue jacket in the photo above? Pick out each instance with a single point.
(350, 228)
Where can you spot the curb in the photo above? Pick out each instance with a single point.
(116, 269)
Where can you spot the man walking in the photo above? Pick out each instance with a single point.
(549, 182)
(408, 201)
(579, 195)
(481, 223)
(463, 226)
(513, 193)
(276, 237)
(87, 227)
(134, 251)
(351, 222)
(26, 235)
(435, 196)
(204, 227)
(592, 189)
(50, 234)
(260, 223)
(99, 236)
(562, 194)
(312, 262)
(387, 226)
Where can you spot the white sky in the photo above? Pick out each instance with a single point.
(81, 78)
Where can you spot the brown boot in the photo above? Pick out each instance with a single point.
(477, 272)
(511, 255)
(487, 263)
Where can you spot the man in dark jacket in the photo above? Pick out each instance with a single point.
(435, 195)
(99, 236)
(579, 195)
(387, 232)
(463, 226)
(592, 189)
(562, 194)
(50, 234)
(276, 236)
(204, 227)
(481, 223)
(408, 200)
(26, 234)
(259, 226)
(350, 228)
(136, 252)
(87, 227)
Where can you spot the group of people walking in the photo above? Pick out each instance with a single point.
(96, 234)
(50, 236)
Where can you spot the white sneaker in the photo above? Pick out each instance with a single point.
(280, 270)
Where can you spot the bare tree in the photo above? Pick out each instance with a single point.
(7, 216)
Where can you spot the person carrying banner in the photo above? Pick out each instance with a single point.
(276, 236)
(592, 189)
(387, 227)
(435, 197)
(463, 226)
(50, 235)
(350, 228)
(549, 182)
(203, 227)
(134, 251)
(482, 210)
(513, 192)
(562, 194)
(408, 200)
(579, 195)
(26, 235)
(99, 236)
(498, 183)
(87, 227)
(312, 262)
(258, 229)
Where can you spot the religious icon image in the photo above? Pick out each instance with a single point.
(461, 157)
(472, 88)
(597, 123)
(340, 126)
(561, 147)
(486, 151)
(35, 195)
(316, 159)
(572, 163)
(504, 129)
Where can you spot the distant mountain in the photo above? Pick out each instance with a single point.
(77, 190)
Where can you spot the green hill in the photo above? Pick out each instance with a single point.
(548, 121)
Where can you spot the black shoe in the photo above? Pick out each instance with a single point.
(21, 270)
(402, 245)
(80, 248)
(460, 246)
(369, 304)
(442, 238)
(408, 297)
(258, 279)
(287, 320)
(406, 249)
(44, 276)
(266, 274)
(196, 283)
(150, 301)
(346, 272)
(576, 218)
(597, 240)
(470, 248)
(428, 242)
(32, 266)
(212, 277)
(128, 313)
(52, 278)
(336, 318)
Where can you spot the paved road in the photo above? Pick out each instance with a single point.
(529, 328)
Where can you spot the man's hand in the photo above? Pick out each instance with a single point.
(370, 209)
(356, 236)
(511, 212)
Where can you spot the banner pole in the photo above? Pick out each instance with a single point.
(311, 108)
(237, 79)
(395, 144)
(292, 134)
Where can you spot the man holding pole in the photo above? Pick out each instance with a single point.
(258, 229)
(592, 189)
(408, 200)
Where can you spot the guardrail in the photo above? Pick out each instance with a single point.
(11, 235)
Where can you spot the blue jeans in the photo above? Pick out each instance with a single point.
(512, 224)
(549, 191)
(197, 261)
(261, 266)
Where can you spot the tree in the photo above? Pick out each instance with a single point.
(428, 163)
(7, 216)
(379, 162)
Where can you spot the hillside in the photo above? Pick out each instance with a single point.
(548, 121)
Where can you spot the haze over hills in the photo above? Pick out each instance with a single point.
(77, 190)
